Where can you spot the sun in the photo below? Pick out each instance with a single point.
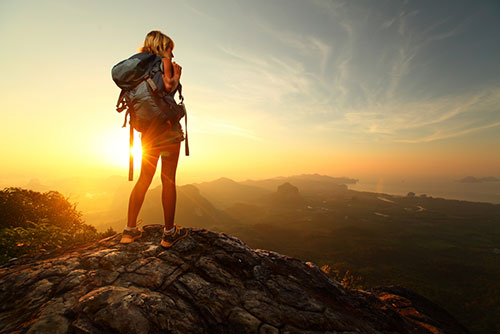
(137, 153)
(114, 148)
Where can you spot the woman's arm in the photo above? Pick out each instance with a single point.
(172, 74)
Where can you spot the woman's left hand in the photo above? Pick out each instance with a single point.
(177, 70)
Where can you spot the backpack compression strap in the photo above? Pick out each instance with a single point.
(131, 155)
(186, 144)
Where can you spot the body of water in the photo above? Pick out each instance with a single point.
(449, 189)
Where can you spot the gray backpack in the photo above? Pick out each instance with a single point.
(144, 97)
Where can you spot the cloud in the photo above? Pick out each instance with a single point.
(324, 50)
(201, 13)
(226, 129)
(353, 85)
(324, 60)
(422, 121)
(403, 21)
(448, 134)
(264, 81)
(400, 68)
(431, 36)
(388, 23)
(306, 44)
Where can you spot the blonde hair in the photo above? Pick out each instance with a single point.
(156, 42)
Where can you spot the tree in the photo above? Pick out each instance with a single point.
(20, 207)
(32, 222)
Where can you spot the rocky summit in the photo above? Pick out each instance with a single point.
(206, 283)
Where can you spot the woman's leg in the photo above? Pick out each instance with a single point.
(148, 168)
(169, 159)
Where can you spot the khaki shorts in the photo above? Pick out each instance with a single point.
(161, 139)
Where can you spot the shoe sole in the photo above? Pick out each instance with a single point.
(128, 241)
(164, 244)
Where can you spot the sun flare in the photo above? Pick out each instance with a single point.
(116, 149)
(136, 151)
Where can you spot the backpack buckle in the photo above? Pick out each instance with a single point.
(121, 105)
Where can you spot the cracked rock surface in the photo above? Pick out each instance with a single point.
(206, 283)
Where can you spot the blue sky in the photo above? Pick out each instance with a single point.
(337, 87)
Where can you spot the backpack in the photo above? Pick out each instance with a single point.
(144, 97)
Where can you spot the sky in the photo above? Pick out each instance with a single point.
(362, 89)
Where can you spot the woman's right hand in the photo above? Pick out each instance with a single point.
(177, 70)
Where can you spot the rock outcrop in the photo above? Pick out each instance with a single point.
(287, 196)
(206, 283)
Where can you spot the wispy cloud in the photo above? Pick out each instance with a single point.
(353, 85)
(265, 81)
(201, 13)
(438, 135)
(422, 121)
(324, 51)
(431, 35)
(409, 42)
(400, 68)
(403, 21)
(306, 44)
(226, 129)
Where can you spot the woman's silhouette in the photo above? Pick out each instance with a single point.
(160, 140)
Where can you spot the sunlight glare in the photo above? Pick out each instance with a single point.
(115, 149)
(137, 152)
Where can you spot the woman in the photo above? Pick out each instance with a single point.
(161, 140)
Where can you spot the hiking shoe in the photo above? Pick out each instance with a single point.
(167, 240)
(129, 236)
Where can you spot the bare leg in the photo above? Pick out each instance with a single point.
(148, 168)
(169, 160)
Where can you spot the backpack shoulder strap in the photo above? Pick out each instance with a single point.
(121, 104)
(179, 89)
(179, 86)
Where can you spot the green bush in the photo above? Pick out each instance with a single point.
(33, 222)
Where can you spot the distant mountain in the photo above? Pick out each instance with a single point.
(472, 179)
(285, 201)
(287, 196)
(193, 209)
(309, 184)
(225, 192)
(325, 178)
